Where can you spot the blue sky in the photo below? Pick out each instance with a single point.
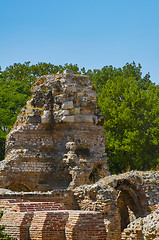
(90, 33)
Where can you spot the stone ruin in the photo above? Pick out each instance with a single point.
(57, 141)
(55, 184)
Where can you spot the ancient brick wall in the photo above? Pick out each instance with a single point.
(17, 224)
(40, 221)
(85, 225)
(48, 225)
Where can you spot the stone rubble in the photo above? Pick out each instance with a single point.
(144, 228)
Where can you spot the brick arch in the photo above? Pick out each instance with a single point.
(131, 202)
(19, 187)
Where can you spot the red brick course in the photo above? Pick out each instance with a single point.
(35, 206)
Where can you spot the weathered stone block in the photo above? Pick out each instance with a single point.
(46, 117)
(84, 118)
(69, 119)
(75, 111)
(33, 119)
(67, 105)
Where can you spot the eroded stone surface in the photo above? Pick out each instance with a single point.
(143, 228)
(57, 141)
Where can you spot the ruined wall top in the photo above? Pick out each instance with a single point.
(74, 98)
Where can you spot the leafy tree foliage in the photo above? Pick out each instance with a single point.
(100, 77)
(130, 104)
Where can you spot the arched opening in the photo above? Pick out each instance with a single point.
(128, 203)
(18, 187)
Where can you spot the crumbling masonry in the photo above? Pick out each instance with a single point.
(54, 180)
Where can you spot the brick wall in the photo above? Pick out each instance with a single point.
(85, 225)
(33, 220)
(17, 223)
(49, 225)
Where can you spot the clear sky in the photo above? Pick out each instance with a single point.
(90, 33)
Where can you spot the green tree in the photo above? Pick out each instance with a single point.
(100, 77)
(130, 104)
(15, 83)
